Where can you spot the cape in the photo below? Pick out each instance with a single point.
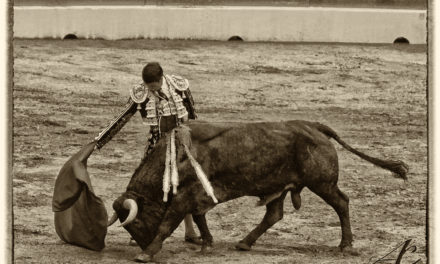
(80, 216)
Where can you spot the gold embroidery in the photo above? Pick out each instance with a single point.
(172, 106)
(139, 93)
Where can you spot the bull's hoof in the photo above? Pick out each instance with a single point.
(206, 249)
(144, 258)
(350, 251)
(345, 245)
(242, 246)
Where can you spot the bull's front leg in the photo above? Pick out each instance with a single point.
(200, 221)
(171, 221)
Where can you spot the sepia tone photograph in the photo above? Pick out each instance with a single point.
(220, 131)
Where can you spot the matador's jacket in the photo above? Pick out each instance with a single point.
(173, 100)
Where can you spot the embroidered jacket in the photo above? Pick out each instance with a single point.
(152, 106)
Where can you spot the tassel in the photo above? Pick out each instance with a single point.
(166, 175)
(174, 172)
(201, 175)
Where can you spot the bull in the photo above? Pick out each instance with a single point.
(266, 160)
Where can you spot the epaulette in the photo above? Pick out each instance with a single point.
(139, 93)
(178, 82)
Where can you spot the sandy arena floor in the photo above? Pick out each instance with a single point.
(65, 92)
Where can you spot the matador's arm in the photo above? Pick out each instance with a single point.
(138, 96)
(116, 125)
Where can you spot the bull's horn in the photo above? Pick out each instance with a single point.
(112, 219)
(131, 205)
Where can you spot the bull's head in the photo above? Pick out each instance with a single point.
(141, 217)
(141, 208)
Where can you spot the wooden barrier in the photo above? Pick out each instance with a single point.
(393, 4)
(298, 24)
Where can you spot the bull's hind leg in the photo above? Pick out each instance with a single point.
(274, 213)
(339, 201)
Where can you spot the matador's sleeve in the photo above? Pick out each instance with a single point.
(116, 125)
(138, 96)
(188, 101)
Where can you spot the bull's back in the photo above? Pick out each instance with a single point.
(252, 158)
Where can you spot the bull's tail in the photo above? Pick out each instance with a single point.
(399, 168)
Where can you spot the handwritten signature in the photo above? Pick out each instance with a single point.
(404, 248)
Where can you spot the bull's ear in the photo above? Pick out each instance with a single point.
(117, 204)
(140, 201)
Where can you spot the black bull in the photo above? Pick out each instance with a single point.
(252, 159)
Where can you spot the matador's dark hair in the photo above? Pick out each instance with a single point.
(152, 72)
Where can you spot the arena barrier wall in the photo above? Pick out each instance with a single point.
(297, 24)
